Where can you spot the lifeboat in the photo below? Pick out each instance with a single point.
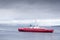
(44, 30)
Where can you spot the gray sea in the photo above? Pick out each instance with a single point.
(11, 33)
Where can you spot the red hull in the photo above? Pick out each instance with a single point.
(35, 30)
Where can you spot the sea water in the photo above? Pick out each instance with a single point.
(12, 33)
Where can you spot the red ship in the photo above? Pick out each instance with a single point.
(35, 29)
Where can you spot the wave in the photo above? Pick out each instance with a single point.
(8, 30)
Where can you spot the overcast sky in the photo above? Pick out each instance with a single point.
(29, 9)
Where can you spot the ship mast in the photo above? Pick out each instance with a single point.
(36, 24)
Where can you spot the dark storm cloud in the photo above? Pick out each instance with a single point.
(31, 9)
(11, 3)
